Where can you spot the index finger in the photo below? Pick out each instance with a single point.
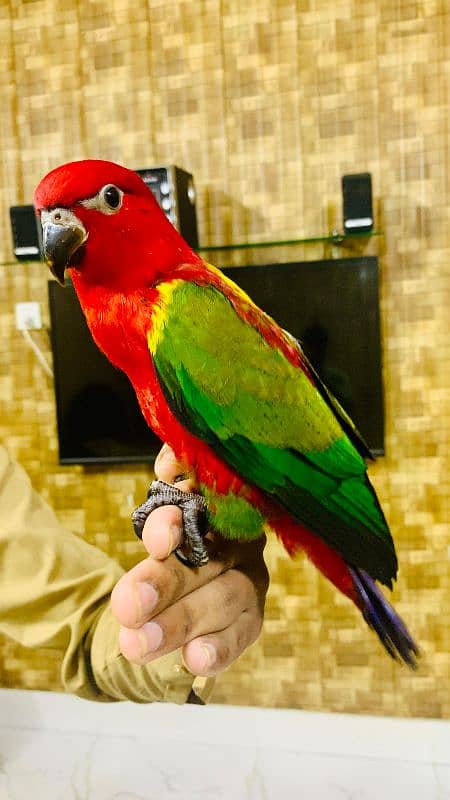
(169, 580)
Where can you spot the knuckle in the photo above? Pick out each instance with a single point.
(184, 623)
(168, 581)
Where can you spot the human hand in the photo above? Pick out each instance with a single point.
(213, 613)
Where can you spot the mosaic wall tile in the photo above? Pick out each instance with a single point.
(268, 105)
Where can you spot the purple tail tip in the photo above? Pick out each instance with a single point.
(381, 617)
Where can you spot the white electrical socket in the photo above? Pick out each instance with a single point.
(28, 316)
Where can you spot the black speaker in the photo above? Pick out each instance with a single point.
(174, 190)
(357, 202)
(26, 231)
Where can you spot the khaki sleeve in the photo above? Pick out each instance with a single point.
(54, 593)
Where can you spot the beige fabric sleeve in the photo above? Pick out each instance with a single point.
(54, 592)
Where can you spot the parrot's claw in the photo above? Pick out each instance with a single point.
(193, 552)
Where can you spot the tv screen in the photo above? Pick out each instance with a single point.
(331, 306)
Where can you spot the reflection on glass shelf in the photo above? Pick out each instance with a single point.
(242, 254)
(335, 237)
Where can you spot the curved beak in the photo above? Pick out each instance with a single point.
(63, 234)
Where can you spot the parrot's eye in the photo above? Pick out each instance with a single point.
(112, 196)
(108, 200)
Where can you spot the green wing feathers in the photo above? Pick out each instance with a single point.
(265, 419)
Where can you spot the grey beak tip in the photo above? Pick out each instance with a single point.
(60, 242)
(57, 273)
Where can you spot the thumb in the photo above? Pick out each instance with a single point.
(172, 470)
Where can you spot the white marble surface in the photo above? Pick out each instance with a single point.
(55, 747)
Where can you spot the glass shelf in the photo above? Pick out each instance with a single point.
(332, 238)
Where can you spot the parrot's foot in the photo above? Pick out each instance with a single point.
(193, 508)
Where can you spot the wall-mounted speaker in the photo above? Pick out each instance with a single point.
(26, 231)
(174, 190)
(357, 202)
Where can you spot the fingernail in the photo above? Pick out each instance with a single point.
(209, 656)
(147, 597)
(150, 637)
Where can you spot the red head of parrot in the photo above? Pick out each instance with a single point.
(100, 219)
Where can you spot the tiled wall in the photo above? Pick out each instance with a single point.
(268, 104)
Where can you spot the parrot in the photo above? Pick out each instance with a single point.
(227, 388)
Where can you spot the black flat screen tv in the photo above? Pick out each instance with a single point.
(331, 306)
